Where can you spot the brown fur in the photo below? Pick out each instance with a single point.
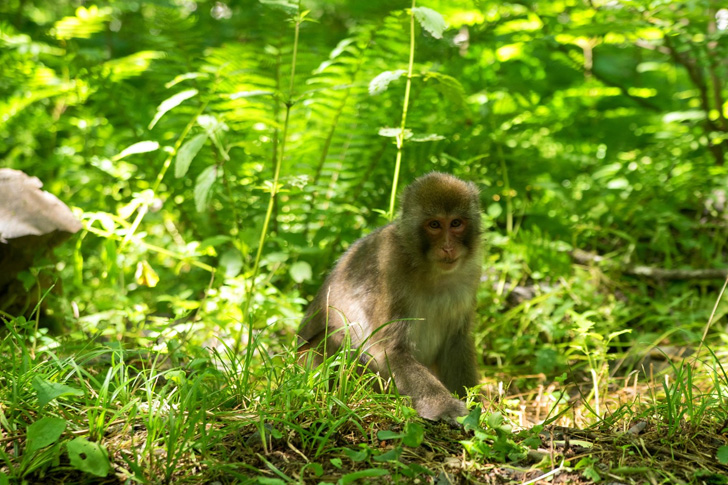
(409, 269)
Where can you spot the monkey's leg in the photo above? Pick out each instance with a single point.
(456, 364)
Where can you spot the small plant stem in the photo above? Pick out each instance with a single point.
(236, 224)
(143, 208)
(710, 320)
(271, 203)
(595, 380)
(506, 184)
(405, 106)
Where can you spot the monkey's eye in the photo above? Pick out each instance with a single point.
(434, 224)
(456, 223)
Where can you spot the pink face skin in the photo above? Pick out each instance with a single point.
(445, 234)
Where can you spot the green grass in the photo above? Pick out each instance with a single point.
(102, 411)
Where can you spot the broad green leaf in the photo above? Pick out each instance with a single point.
(287, 7)
(269, 481)
(274, 258)
(44, 432)
(187, 153)
(391, 455)
(380, 83)
(357, 456)
(472, 420)
(532, 442)
(89, 457)
(722, 455)
(316, 468)
(48, 391)
(203, 187)
(389, 435)
(232, 262)
(4, 480)
(591, 473)
(140, 147)
(414, 434)
(494, 210)
(431, 21)
(497, 422)
(494, 420)
(171, 103)
(580, 443)
(430, 137)
(394, 132)
(301, 271)
(368, 473)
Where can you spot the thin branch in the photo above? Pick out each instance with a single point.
(583, 257)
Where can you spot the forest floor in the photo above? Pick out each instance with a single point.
(653, 433)
(632, 444)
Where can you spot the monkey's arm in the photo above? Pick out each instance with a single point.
(456, 363)
(430, 398)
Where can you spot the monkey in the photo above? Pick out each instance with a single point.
(405, 295)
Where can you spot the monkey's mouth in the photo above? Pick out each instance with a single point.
(448, 263)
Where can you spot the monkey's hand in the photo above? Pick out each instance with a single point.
(444, 408)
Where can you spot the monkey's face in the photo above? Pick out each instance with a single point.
(447, 241)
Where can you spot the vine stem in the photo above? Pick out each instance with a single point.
(405, 107)
(271, 202)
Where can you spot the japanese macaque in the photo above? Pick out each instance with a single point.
(405, 297)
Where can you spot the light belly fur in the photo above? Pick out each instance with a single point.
(443, 316)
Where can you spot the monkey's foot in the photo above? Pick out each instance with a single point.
(447, 409)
